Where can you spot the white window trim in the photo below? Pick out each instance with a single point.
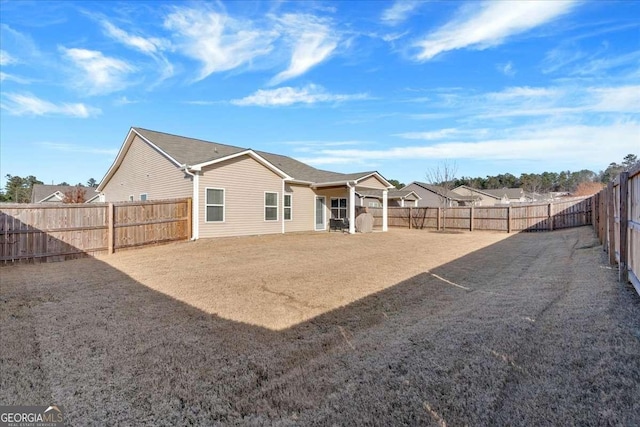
(146, 197)
(224, 205)
(132, 197)
(290, 207)
(264, 210)
(345, 208)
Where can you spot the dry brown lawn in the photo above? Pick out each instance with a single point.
(399, 328)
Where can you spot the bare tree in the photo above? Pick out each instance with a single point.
(443, 176)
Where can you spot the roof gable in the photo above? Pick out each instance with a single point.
(196, 153)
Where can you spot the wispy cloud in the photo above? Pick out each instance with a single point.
(579, 142)
(489, 24)
(432, 135)
(507, 69)
(399, 12)
(6, 59)
(13, 78)
(29, 105)
(313, 41)
(71, 148)
(150, 46)
(96, 73)
(216, 40)
(283, 96)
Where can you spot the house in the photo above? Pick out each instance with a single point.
(235, 191)
(503, 196)
(396, 198)
(436, 196)
(41, 193)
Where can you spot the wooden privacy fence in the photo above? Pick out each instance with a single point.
(537, 217)
(37, 232)
(617, 224)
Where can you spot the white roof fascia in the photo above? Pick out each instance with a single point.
(250, 153)
(377, 175)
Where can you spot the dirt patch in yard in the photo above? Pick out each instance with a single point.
(405, 327)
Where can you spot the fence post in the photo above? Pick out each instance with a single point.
(189, 218)
(110, 228)
(438, 220)
(611, 219)
(471, 219)
(410, 215)
(624, 223)
(550, 215)
(509, 219)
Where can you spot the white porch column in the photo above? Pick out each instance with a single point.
(195, 222)
(402, 203)
(385, 216)
(352, 209)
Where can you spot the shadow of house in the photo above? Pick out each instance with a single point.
(458, 344)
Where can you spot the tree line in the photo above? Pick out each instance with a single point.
(546, 182)
(18, 189)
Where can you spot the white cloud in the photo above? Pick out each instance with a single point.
(581, 143)
(77, 148)
(489, 24)
(12, 78)
(151, 46)
(25, 104)
(430, 135)
(507, 69)
(97, 74)
(520, 92)
(399, 12)
(6, 59)
(283, 96)
(217, 41)
(313, 42)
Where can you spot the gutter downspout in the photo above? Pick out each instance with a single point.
(196, 201)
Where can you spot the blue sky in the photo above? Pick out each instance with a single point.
(397, 87)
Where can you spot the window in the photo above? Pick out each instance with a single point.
(131, 197)
(287, 207)
(374, 204)
(338, 208)
(143, 197)
(270, 206)
(214, 205)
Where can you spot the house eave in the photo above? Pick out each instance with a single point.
(198, 167)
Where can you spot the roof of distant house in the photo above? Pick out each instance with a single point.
(40, 192)
(443, 192)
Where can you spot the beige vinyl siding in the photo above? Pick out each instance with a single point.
(303, 203)
(244, 181)
(428, 198)
(372, 182)
(145, 170)
(485, 200)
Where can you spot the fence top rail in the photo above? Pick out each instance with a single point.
(86, 205)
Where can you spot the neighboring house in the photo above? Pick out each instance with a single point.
(41, 193)
(396, 198)
(436, 196)
(503, 196)
(235, 191)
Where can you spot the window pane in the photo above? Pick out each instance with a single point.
(287, 213)
(335, 203)
(271, 199)
(143, 197)
(271, 214)
(215, 197)
(287, 200)
(343, 203)
(215, 213)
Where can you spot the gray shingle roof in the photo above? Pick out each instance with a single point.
(392, 194)
(443, 192)
(42, 191)
(511, 193)
(192, 151)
